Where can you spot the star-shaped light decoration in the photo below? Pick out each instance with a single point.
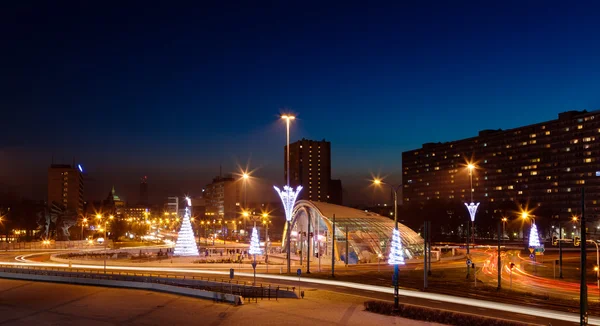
(472, 207)
(288, 197)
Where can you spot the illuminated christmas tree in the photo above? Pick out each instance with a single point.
(254, 243)
(186, 243)
(534, 239)
(396, 257)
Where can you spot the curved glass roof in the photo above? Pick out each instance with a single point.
(369, 234)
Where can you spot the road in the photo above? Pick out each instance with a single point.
(433, 300)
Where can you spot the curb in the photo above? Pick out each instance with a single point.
(202, 294)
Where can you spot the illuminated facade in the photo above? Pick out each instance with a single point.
(369, 235)
(223, 198)
(544, 163)
(310, 167)
(65, 187)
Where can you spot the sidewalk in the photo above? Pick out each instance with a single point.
(61, 304)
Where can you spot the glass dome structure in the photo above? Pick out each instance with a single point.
(369, 234)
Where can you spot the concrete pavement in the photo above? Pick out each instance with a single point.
(36, 303)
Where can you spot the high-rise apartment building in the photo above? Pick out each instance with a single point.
(172, 205)
(65, 187)
(143, 191)
(223, 198)
(546, 164)
(310, 167)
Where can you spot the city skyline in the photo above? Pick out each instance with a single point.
(129, 99)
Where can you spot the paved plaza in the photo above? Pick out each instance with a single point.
(37, 303)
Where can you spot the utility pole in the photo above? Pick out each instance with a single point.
(333, 248)
(347, 252)
(429, 247)
(583, 286)
(560, 275)
(425, 232)
(499, 266)
(308, 252)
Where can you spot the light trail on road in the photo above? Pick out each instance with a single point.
(510, 308)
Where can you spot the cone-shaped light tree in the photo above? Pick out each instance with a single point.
(254, 243)
(534, 239)
(396, 257)
(186, 243)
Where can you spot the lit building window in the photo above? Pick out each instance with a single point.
(533, 172)
(547, 133)
(588, 160)
(580, 127)
(520, 192)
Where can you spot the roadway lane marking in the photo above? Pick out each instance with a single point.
(511, 308)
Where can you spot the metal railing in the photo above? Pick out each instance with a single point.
(235, 287)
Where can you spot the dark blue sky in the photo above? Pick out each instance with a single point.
(172, 90)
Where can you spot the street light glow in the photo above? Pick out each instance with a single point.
(288, 117)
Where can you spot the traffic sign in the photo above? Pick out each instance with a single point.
(254, 264)
(468, 262)
(299, 271)
(531, 250)
(532, 256)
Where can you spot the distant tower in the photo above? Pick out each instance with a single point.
(144, 190)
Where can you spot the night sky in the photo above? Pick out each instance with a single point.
(172, 90)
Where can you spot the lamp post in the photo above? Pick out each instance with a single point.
(395, 189)
(245, 177)
(288, 195)
(504, 222)
(472, 207)
(266, 223)
(83, 221)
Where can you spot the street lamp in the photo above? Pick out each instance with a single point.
(471, 207)
(504, 222)
(288, 118)
(266, 223)
(83, 221)
(245, 176)
(395, 262)
(288, 195)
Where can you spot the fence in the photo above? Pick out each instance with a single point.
(236, 287)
